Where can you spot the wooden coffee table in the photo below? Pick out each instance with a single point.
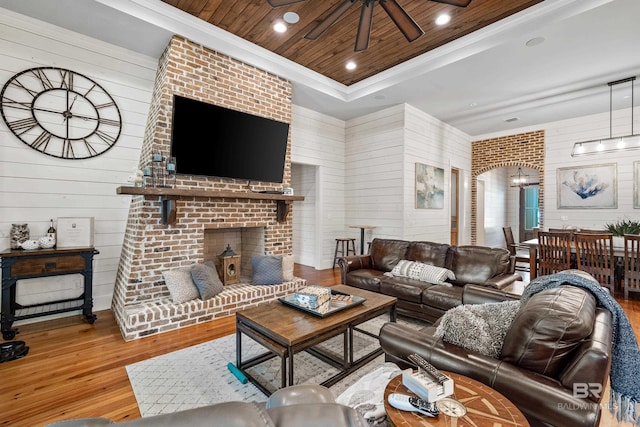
(285, 330)
(485, 406)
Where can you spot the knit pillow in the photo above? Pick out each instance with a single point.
(423, 272)
(287, 268)
(206, 279)
(267, 270)
(478, 327)
(180, 285)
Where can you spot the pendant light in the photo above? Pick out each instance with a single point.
(611, 144)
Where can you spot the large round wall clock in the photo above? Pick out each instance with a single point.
(60, 113)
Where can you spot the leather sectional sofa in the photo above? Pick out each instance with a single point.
(305, 405)
(479, 265)
(559, 340)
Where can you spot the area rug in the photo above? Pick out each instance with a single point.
(198, 376)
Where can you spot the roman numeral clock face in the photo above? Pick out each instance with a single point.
(60, 113)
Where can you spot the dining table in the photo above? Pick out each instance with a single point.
(532, 244)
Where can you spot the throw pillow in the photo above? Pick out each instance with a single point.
(478, 327)
(267, 269)
(287, 268)
(423, 272)
(206, 279)
(180, 285)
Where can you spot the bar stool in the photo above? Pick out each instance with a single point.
(344, 247)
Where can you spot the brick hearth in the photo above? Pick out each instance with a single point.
(150, 247)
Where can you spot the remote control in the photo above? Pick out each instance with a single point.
(409, 403)
(428, 367)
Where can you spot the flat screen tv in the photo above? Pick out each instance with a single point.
(209, 140)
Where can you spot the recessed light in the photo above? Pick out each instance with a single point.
(473, 104)
(443, 18)
(350, 65)
(291, 17)
(535, 41)
(279, 27)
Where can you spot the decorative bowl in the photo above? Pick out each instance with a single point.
(30, 245)
(46, 242)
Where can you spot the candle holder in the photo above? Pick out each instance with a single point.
(147, 176)
(171, 172)
(157, 169)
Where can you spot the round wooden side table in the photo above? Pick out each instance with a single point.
(485, 406)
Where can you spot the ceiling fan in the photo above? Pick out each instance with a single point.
(398, 15)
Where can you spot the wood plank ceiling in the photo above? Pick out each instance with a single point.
(253, 21)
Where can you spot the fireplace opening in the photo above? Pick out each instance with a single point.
(244, 241)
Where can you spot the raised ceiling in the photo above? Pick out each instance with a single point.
(495, 79)
(253, 20)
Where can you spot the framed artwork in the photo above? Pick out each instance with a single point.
(636, 185)
(429, 187)
(588, 187)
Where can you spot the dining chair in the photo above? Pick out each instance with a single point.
(521, 253)
(592, 231)
(554, 252)
(594, 254)
(631, 272)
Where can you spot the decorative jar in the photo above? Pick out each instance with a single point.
(19, 233)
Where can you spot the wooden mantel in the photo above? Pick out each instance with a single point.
(170, 195)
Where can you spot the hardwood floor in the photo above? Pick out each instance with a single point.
(77, 370)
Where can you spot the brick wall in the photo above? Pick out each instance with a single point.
(524, 149)
(190, 70)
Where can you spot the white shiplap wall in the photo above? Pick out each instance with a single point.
(432, 142)
(35, 187)
(318, 143)
(375, 173)
(382, 149)
(559, 139)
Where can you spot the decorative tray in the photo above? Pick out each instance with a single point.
(326, 309)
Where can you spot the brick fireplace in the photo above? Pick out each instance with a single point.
(203, 225)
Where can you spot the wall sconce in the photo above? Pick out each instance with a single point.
(611, 144)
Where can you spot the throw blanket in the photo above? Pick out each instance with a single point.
(625, 362)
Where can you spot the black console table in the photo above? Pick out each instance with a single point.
(23, 264)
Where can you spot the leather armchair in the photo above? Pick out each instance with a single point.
(558, 342)
(305, 405)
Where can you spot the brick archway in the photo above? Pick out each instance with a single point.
(523, 149)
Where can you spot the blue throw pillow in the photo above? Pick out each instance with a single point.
(206, 280)
(267, 269)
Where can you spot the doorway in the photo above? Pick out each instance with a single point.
(455, 203)
(306, 242)
(529, 211)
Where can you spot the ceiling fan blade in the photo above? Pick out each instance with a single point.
(329, 20)
(401, 18)
(364, 27)
(459, 3)
(278, 3)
